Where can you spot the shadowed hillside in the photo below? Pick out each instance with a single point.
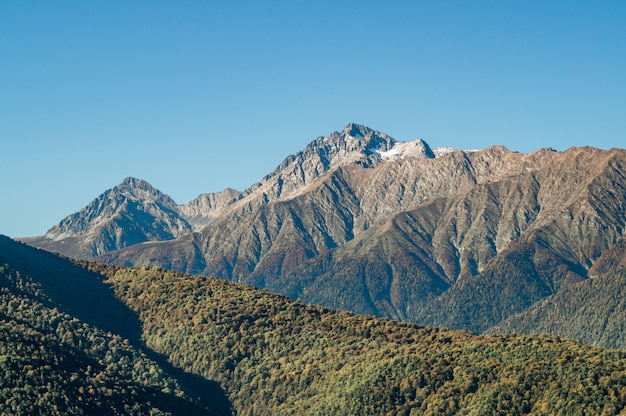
(269, 354)
(276, 356)
(85, 344)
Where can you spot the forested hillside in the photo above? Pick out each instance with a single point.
(593, 311)
(276, 356)
(171, 339)
(68, 346)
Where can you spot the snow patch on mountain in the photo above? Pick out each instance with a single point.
(440, 151)
(400, 150)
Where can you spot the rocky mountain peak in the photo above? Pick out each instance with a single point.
(134, 182)
(356, 137)
(367, 141)
(131, 183)
(140, 189)
(132, 212)
(354, 144)
(356, 130)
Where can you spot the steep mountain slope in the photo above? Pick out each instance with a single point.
(593, 311)
(504, 242)
(582, 217)
(270, 354)
(502, 231)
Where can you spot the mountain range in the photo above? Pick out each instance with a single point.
(483, 240)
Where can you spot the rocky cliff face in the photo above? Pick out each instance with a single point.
(362, 222)
(206, 207)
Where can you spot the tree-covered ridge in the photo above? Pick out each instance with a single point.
(276, 356)
(172, 336)
(79, 345)
(592, 311)
(52, 363)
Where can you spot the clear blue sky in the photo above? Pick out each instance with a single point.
(197, 96)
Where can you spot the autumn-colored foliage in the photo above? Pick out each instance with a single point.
(171, 337)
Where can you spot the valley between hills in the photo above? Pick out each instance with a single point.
(319, 289)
